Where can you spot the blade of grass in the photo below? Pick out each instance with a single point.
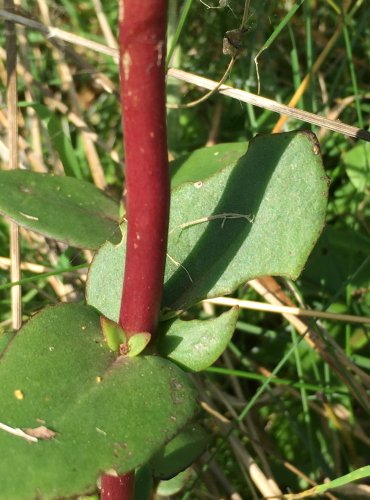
(309, 55)
(104, 24)
(361, 473)
(294, 59)
(304, 401)
(42, 276)
(272, 380)
(274, 36)
(352, 71)
(180, 27)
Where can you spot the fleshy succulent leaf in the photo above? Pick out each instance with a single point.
(113, 334)
(137, 343)
(98, 411)
(260, 215)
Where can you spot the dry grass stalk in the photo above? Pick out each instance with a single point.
(12, 104)
(293, 310)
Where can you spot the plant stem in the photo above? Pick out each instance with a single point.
(142, 59)
(142, 47)
(117, 487)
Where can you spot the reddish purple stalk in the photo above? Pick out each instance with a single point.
(142, 42)
(115, 488)
(142, 49)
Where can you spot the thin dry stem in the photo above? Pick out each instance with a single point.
(280, 309)
(209, 94)
(104, 25)
(215, 124)
(51, 32)
(34, 127)
(33, 158)
(18, 432)
(224, 216)
(5, 263)
(263, 102)
(12, 104)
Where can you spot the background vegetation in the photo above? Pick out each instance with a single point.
(311, 423)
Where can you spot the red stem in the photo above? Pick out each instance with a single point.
(117, 487)
(142, 48)
(142, 42)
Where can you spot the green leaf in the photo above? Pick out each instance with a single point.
(357, 164)
(59, 139)
(105, 278)
(195, 345)
(213, 246)
(143, 484)
(5, 338)
(137, 343)
(113, 334)
(107, 413)
(174, 485)
(280, 185)
(63, 208)
(203, 163)
(179, 453)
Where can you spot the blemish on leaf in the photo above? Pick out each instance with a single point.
(30, 217)
(198, 184)
(176, 390)
(18, 394)
(40, 432)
